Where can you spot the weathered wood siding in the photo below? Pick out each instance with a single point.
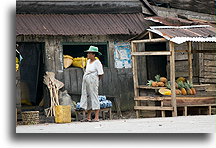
(202, 6)
(204, 64)
(115, 82)
(207, 62)
(181, 62)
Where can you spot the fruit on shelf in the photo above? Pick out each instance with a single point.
(189, 91)
(163, 79)
(160, 84)
(164, 91)
(181, 79)
(181, 87)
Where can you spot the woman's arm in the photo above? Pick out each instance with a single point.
(100, 77)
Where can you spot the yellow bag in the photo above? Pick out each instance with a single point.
(68, 60)
(63, 114)
(79, 62)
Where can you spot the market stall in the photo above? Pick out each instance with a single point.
(172, 36)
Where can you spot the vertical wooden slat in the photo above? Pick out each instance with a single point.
(201, 63)
(172, 78)
(163, 111)
(73, 80)
(190, 69)
(185, 110)
(209, 110)
(135, 77)
(150, 35)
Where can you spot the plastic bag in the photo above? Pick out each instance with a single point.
(68, 60)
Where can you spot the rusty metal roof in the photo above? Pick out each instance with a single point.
(80, 24)
(180, 34)
(173, 21)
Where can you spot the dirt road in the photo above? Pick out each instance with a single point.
(189, 124)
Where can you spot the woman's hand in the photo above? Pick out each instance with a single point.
(100, 77)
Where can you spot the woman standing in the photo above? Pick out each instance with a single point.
(94, 71)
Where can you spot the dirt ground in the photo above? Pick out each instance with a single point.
(180, 124)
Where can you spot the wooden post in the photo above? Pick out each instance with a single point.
(150, 35)
(190, 70)
(162, 111)
(209, 110)
(172, 78)
(135, 77)
(185, 110)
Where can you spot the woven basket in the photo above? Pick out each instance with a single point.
(30, 117)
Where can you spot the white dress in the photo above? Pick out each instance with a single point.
(89, 98)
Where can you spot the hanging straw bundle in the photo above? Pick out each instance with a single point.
(53, 86)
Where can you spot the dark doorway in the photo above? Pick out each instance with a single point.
(77, 50)
(156, 64)
(31, 72)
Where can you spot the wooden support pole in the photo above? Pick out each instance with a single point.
(163, 111)
(185, 110)
(172, 79)
(190, 69)
(209, 110)
(150, 35)
(135, 78)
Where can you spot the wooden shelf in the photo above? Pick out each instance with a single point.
(148, 87)
(146, 98)
(152, 108)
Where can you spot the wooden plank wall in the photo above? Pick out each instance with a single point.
(202, 6)
(115, 82)
(181, 62)
(204, 64)
(208, 63)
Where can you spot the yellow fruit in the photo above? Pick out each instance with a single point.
(154, 84)
(193, 90)
(164, 91)
(161, 84)
(167, 93)
(163, 79)
(181, 79)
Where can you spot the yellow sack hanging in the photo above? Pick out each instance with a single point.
(79, 62)
(63, 114)
(17, 64)
(68, 60)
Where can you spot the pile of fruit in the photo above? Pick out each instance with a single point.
(183, 86)
(159, 81)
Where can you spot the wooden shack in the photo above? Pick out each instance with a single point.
(47, 33)
(172, 46)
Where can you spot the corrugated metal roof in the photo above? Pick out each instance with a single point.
(180, 34)
(171, 21)
(80, 24)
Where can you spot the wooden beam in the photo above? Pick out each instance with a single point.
(135, 76)
(150, 35)
(150, 40)
(190, 68)
(152, 108)
(197, 51)
(150, 53)
(148, 98)
(172, 79)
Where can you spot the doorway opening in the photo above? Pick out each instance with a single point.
(77, 50)
(31, 73)
(156, 64)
